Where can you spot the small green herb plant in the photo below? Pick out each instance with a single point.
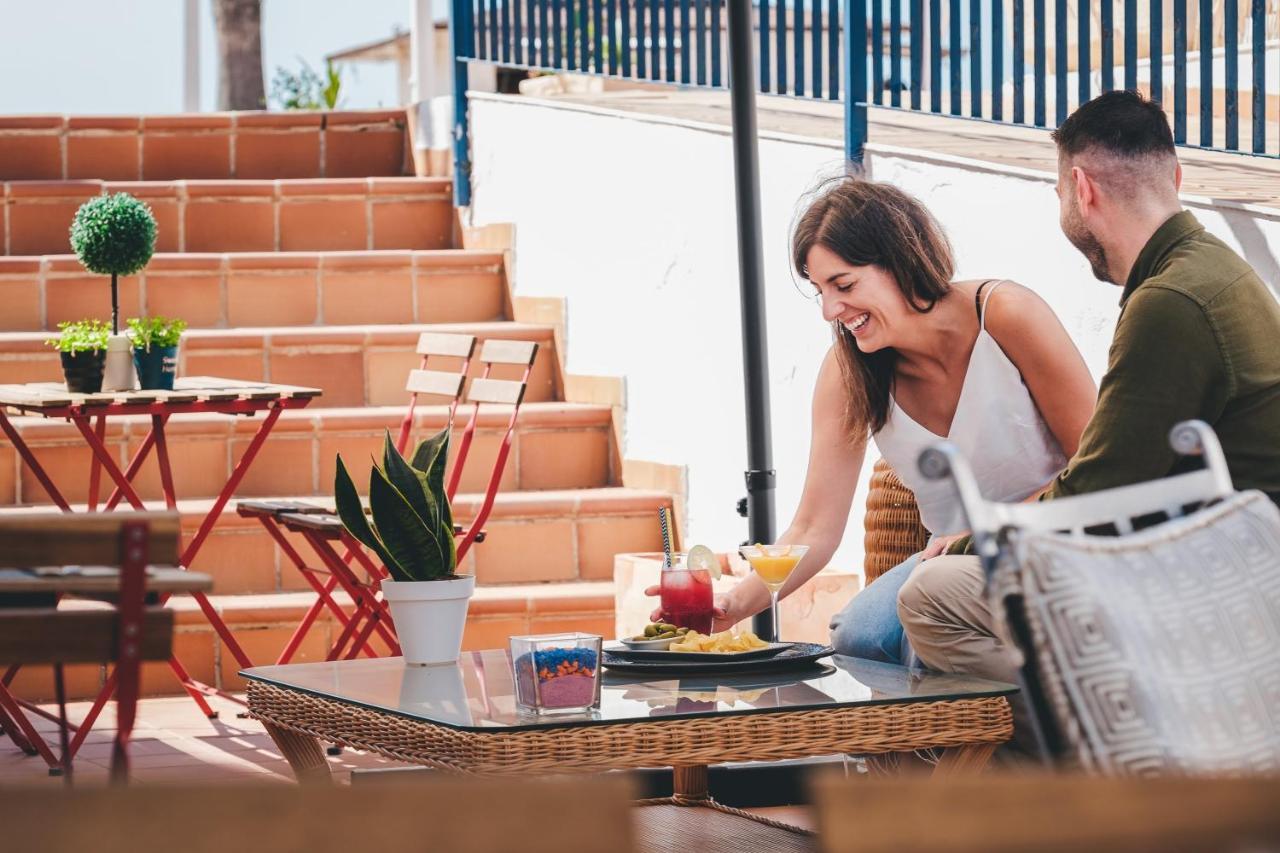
(113, 235)
(81, 336)
(412, 522)
(148, 332)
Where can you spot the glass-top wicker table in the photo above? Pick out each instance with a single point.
(462, 718)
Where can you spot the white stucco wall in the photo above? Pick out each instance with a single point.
(631, 218)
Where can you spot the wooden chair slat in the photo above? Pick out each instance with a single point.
(538, 816)
(1027, 812)
(503, 391)
(434, 382)
(45, 635)
(82, 539)
(311, 521)
(509, 352)
(439, 343)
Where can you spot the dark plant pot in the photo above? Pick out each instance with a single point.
(83, 370)
(157, 367)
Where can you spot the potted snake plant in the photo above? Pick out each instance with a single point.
(410, 528)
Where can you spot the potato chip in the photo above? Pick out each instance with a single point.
(726, 642)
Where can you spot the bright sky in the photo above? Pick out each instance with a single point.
(125, 56)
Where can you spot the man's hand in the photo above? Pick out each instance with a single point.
(939, 546)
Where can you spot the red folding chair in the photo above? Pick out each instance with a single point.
(37, 633)
(325, 579)
(369, 616)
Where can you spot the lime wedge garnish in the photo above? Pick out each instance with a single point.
(702, 557)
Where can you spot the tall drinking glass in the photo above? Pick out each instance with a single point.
(774, 564)
(687, 601)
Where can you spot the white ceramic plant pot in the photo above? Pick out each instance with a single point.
(429, 617)
(118, 373)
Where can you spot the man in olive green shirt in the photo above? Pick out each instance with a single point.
(1198, 337)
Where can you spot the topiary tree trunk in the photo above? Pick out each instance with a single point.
(239, 24)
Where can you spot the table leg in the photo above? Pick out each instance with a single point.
(15, 438)
(303, 753)
(968, 760)
(690, 783)
(162, 457)
(102, 455)
(95, 467)
(135, 465)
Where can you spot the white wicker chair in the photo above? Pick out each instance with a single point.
(1147, 652)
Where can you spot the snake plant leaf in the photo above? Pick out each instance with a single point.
(413, 484)
(353, 518)
(410, 541)
(431, 457)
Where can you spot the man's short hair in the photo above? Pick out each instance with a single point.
(1121, 123)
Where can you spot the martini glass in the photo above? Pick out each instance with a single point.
(773, 564)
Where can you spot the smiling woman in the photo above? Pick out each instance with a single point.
(878, 240)
(917, 357)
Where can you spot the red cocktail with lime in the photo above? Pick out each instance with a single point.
(686, 598)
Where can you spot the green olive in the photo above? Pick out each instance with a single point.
(682, 630)
(666, 635)
(651, 631)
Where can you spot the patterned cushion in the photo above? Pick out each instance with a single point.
(1159, 652)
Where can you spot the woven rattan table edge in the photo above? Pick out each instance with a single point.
(664, 742)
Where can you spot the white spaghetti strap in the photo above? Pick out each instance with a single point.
(986, 297)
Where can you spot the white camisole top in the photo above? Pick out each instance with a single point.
(996, 426)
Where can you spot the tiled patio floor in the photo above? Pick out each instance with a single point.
(173, 742)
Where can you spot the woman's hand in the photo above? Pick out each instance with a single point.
(939, 546)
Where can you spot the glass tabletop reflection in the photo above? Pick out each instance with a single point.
(478, 692)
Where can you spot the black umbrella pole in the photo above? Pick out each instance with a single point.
(755, 348)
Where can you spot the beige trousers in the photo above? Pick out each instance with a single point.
(948, 620)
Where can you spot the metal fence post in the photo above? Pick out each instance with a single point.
(855, 81)
(461, 40)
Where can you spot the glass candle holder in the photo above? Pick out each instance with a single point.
(557, 673)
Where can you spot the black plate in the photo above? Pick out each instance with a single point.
(798, 656)
(657, 655)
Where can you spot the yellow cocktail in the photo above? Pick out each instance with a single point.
(774, 564)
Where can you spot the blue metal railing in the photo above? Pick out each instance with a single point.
(894, 47)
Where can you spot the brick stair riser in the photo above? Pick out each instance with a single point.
(354, 367)
(296, 144)
(214, 291)
(207, 659)
(242, 557)
(299, 457)
(247, 216)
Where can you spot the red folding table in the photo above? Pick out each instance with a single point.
(89, 413)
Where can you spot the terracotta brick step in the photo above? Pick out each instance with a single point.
(562, 535)
(556, 446)
(262, 624)
(263, 289)
(295, 144)
(354, 365)
(336, 214)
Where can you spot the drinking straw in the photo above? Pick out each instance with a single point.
(666, 537)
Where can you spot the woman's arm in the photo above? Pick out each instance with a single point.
(1033, 338)
(835, 460)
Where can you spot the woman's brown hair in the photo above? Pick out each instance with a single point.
(866, 223)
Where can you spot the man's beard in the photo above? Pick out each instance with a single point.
(1084, 240)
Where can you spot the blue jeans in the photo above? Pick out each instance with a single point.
(868, 626)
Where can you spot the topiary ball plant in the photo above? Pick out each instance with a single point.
(114, 235)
